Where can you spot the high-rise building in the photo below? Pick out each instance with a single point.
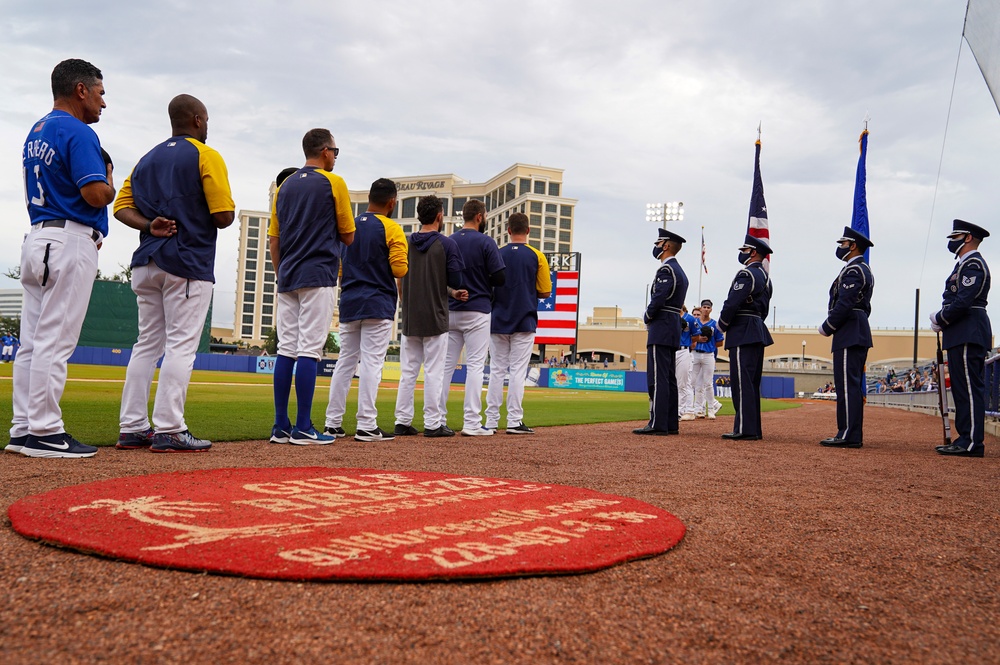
(537, 191)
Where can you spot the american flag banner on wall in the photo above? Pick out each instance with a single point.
(557, 314)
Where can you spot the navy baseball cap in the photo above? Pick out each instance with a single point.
(961, 227)
(670, 235)
(851, 235)
(758, 244)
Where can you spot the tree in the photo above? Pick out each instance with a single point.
(11, 325)
(271, 343)
(331, 345)
(14, 273)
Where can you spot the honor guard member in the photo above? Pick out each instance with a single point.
(742, 321)
(847, 320)
(967, 335)
(663, 338)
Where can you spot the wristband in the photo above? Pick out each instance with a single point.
(149, 226)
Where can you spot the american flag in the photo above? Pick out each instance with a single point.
(757, 222)
(557, 314)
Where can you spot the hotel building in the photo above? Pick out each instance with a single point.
(537, 191)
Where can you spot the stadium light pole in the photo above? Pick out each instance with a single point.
(661, 213)
(803, 354)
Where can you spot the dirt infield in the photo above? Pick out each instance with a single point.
(794, 553)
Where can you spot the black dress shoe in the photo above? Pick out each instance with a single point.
(736, 436)
(834, 442)
(959, 451)
(651, 432)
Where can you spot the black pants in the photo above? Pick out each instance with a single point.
(849, 381)
(967, 368)
(746, 367)
(661, 380)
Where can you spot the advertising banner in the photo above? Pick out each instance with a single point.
(587, 379)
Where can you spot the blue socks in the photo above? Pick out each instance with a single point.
(305, 386)
(283, 368)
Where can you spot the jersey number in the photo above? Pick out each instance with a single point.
(35, 200)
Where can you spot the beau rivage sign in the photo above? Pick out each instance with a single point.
(421, 185)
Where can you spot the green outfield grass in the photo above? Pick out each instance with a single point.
(235, 406)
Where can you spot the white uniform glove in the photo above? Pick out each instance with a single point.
(823, 332)
(934, 324)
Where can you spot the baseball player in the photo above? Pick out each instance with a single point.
(434, 267)
(849, 308)
(178, 198)
(707, 339)
(7, 352)
(967, 335)
(513, 322)
(469, 320)
(663, 336)
(368, 296)
(742, 321)
(311, 222)
(68, 186)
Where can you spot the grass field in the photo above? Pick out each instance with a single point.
(234, 406)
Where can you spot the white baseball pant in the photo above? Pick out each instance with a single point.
(365, 341)
(509, 355)
(471, 330)
(685, 394)
(703, 378)
(432, 353)
(304, 318)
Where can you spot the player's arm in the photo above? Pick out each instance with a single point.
(98, 193)
(543, 278)
(396, 241)
(126, 213)
(215, 184)
(342, 208)
(273, 230)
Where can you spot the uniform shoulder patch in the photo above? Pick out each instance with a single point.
(969, 281)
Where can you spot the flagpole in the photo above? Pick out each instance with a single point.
(702, 271)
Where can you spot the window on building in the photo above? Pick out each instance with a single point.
(267, 321)
(565, 223)
(410, 207)
(264, 332)
(251, 253)
(459, 204)
(539, 187)
(253, 232)
(564, 236)
(535, 234)
(551, 207)
(250, 265)
(250, 275)
(249, 286)
(549, 247)
(248, 297)
(524, 186)
(550, 233)
(268, 276)
(550, 221)
(269, 299)
(253, 222)
(248, 309)
(553, 189)
(247, 331)
(511, 191)
(536, 220)
(444, 207)
(395, 211)
(248, 318)
(564, 248)
(566, 211)
(268, 287)
(536, 206)
(267, 309)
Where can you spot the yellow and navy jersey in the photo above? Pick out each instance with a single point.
(370, 267)
(184, 180)
(311, 210)
(515, 304)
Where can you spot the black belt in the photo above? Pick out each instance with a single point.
(61, 224)
(697, 351)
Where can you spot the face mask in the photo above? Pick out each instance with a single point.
(956, 244)
(842, 253)
(744, 257)
(657, 252)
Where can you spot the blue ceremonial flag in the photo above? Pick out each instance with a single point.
(859, 219)
(757, 225)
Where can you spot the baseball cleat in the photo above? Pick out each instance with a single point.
(56, 445)
(373, 435)
(335, 432)
(280, 434)
(520, 429)
(477, 431)
(135, 440)
(178, 442)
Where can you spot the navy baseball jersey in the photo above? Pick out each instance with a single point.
(371, 265)
(526, 274)
(663, 314)
(61, 155)
(482, 259)
(850, 305)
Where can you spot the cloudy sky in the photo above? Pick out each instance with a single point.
(638, 101)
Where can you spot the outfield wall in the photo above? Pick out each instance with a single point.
(772, 387)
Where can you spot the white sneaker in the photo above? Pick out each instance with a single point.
(480, 431)
(688, 416)
(711, 415)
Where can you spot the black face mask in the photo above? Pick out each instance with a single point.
(956, 244)
(842, 253)
(744, 257)
(657, 251)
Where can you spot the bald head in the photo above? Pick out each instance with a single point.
(188, 116)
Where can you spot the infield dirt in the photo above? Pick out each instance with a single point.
(794, 553)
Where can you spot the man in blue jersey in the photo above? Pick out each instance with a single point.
(469, 320)
(7, 352)
(368, 296)
(707, 339)
(513, 323)
(434, 268)
(682, 362)
(68, 185)
(178, 198)
(311, 223)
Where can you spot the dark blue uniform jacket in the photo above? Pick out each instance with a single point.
(850, 305)
(663, 313)
(746, 307)
(963, 317)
